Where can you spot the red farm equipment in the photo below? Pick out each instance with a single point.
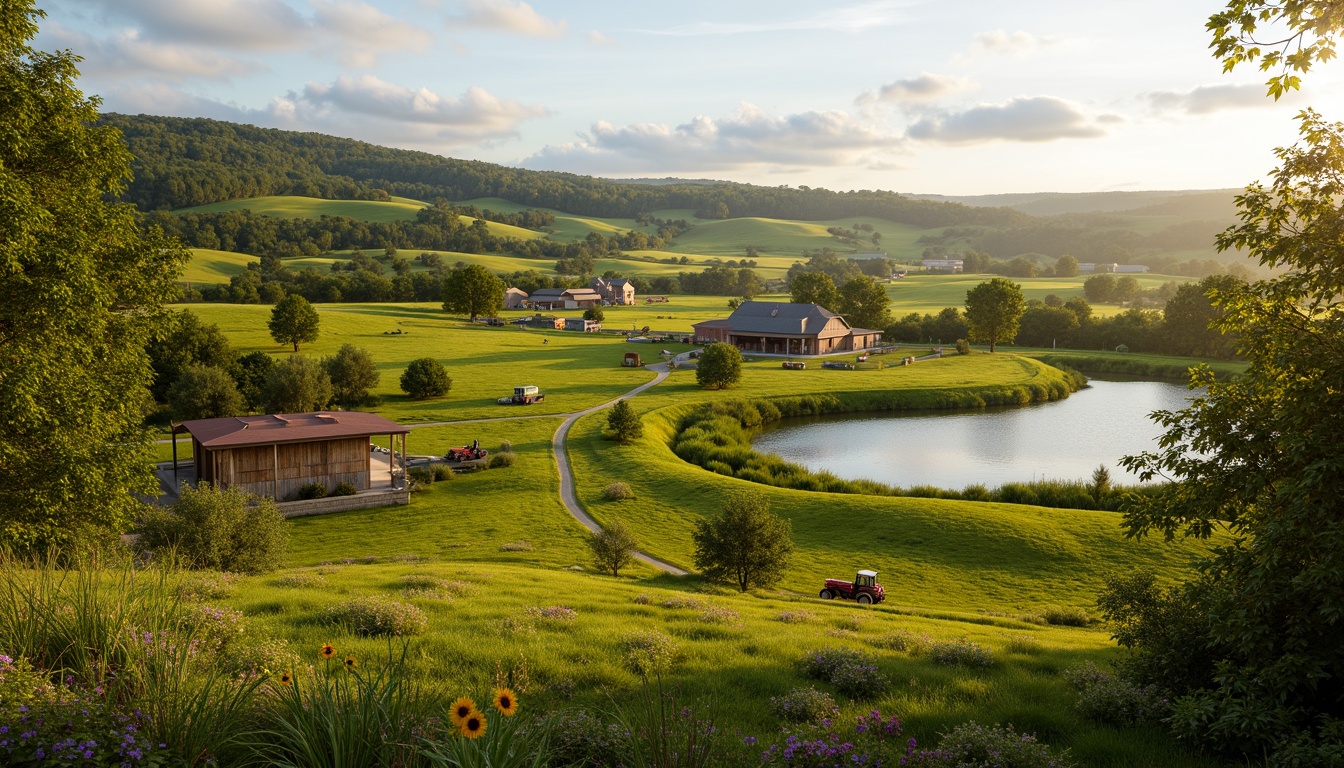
(864, 589)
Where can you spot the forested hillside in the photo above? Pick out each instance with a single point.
(182, 162)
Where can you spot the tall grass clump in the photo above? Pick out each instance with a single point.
(376, 616)
(854, 674)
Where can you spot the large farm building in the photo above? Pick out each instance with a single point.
(786, 329)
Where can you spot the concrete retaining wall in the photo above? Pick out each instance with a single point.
(306, 507)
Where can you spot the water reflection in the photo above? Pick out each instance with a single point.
(1064, 440)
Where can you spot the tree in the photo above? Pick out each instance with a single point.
(425, 377)
(222, 530)
(1099, 289)
(353, 373)
(1126, 289)
(251, 372)
(747, 544)
(993, 310)
(814, 288)
(205, 392)
(1066, 266)
(1258, 457)
(297, 385)
(80, 286)
(182, 341)
(1043, 326)
(1190, 318)
(719, 367)
(749, 284)
(1309, 38)
(473, 290)
(613, 547)
(864, 303)
(623, 424)
(293, 321)
(595, 314)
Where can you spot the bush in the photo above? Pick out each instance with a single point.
(378, 617)
(852, 673)
(503, 459)
(425, 377)
(796, 617)
(578, 738)
(903, 640)
(1113, 700)
(506, 446)
(312, 491)
(961, 652)
(226, 530)
(623, 424)
(441, 472)
(963, 347)
(804, 705)
(612, 547)
(970, 745)
(420, 476)
(617, 491)
(649, 652)
(344, 489)
(1067, 617)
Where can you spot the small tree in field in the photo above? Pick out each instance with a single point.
(613, 547)
(225, 530)
(293, 321)
(747, 545)
(720, 367)
(204, 392)
(595, 314)
(425, 377)
(993, 309)
(352, 374)
(623, 424)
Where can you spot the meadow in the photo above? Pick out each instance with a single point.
(983, 573)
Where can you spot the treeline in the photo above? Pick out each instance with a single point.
(182, 162)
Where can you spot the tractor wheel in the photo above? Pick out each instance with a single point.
(827, 594)
(866, 599)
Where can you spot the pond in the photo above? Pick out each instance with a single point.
(1063, 440)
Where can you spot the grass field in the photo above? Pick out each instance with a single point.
(930, 293)
(299, 207)
(954, 570)
(211, 266)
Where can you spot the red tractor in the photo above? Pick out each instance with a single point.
(466, 453)
(863, 589)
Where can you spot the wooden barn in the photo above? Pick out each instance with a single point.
(786, 329)
(276, 454)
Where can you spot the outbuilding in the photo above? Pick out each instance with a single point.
(786, 329)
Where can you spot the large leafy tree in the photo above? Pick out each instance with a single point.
(719, 367)
(993, 309)
(746, 545)
(80, 288)
(294, 321)
(864, 303)
(183, 341)
(1189, 317)
(353, 373)
(297, 385)
(474, 291)
(814, 288)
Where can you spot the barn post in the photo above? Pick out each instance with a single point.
(275, 471)
(174, 433)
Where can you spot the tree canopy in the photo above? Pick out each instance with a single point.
(814, 288)
(864, 303)
(473, 290)
(746, 545)
(294, 321)
(993, 309)
(80, 288)
(719, 367)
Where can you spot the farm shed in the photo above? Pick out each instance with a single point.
(276, 454)
(786, 329)
(515, 298)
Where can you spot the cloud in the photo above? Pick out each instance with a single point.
(923, 89)
(1207, 99)
(1035, 119)
(750, 137)
(1001, 43)
(126, 55)
(858, 18)
(597, 38)
(475, 116)
(518, 18)
(365, 27)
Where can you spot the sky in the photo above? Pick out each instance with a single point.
(958, 97)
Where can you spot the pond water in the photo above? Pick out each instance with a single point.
(1062, 440)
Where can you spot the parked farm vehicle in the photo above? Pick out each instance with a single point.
(631, 360)
(841, 364)
(864, 589)
(523, 396)
(467, 453)
(796, 365)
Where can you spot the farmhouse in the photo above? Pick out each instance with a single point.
(786, 329)
(514, 298)
(943, 265)
(618, 290)
(276, 454)
(565, 298)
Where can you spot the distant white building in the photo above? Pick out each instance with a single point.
(514, 298)
(1089, 268)
(942, 265)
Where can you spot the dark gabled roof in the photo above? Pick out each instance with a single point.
(235, 431)
(791, 319)
(549, 293)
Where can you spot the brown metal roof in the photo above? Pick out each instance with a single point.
(237, 431)
(784, 319)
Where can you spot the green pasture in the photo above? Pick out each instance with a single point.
(774, 237)
(211, 266)
(300, 207)
(929, 293)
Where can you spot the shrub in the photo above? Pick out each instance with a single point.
(796, 617)
(684, 601)
(804, 705)
(302, 579)
(852, 673)
(617, 491)
(903, 640)
(578, 738)
(970, 745)
(1068, 617)
(963, 347)
(554, 614)
(441, 472)
(506, 446)
(720, 366)
(649, 652)
(1024, 644)
(501, 459)
(623, 424)
(344, 489)
(226, 530)
(1113, 700)
(425, 377)
(312, 491)
(377, 617)
(420, 476)
(718, 614)
(522, 545)
(961, 652)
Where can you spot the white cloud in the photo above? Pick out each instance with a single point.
(858, 18)
(1207, 99)
(1034, 119)
(365, 28)
(923, 89)
(597, 38)
(518, 18)
(125, 54)
(1001, 43)
(750, 137)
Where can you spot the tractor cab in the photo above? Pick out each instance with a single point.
(865, 579)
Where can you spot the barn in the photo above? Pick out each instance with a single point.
(276, 454)
(786, 329)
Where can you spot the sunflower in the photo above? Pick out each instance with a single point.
(506, 701)
(473, 726)
(327, 651)
(351, 662)
(286, 678)
(461, 710)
